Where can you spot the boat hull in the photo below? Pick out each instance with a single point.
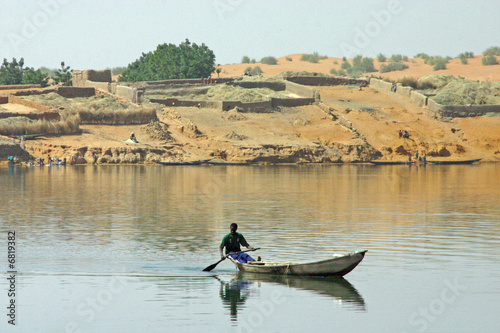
(455, 162)
(338, 266)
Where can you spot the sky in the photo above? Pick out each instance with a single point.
(111, 33)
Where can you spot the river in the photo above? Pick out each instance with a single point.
(121, 248)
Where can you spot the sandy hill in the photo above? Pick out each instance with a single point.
(474, 70)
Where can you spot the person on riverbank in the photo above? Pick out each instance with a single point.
(232, 242)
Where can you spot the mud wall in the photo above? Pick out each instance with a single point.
(276, 86)
(20, 86)
(300, 90)
(290, 102)
(326, 81)
(258, 107)
(179, 102)
(380, 85)
(467, 111)
(4, 99)
(72, 92)
(419, 98)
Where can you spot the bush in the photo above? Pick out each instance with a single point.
(424, 56)
(381, 57)
(253, 61)
(256, 71)
(345, 65)
(392, 66)
(245, 60)
(493, 51)
(269, 60)
(342, 72)
(314, 58)
(288, 58)
(408, 82)
(396, 58)
(463, 61)
(333, 71)
(489, 60)
(440, 64)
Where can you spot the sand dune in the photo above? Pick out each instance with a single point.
(474, 70)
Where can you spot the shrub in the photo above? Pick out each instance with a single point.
(288, 58)
(335, 62)
(396, 58)
(405, 58)
(342, 72)
(256, 71)
(314, 58)
(424, 56)
(245, 60)
(345, 65)
(492, 51)
(440, 64)
(463, 61)
(381, 57)
(489, 60)
(333, 71)
(253, 61)
(393, 66)
(408, 82)
(269, 60)
(344, 59)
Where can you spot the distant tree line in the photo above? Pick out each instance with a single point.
(13, 72)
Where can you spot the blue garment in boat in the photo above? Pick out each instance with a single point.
(242, 257)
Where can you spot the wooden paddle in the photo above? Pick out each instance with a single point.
(209, 268)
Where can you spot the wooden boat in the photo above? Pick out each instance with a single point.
(455, 162)
(199, 162)
(391, 162)
(337, 266)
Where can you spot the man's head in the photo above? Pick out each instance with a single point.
(233, 227)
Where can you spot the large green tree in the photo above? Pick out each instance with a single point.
(185, 61)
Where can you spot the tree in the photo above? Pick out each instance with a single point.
(11, 72)
(64, 75)
(32, 76)
(218, 70)
(245, 60)
(169, 61)
(14, 73)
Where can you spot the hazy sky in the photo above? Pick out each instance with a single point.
(110, 33)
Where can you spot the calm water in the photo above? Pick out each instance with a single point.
(122, 248)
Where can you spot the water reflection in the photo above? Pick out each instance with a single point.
(236, 292)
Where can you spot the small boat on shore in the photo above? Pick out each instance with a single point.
(338, 266)
(391, 162)
(455, 162)
(199, 162)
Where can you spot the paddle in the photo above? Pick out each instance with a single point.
(209, 268)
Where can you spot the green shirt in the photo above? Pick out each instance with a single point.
(232, 242)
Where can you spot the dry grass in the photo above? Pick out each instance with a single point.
(102, 110)
(26, 126)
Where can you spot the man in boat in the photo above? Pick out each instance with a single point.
(232, 242)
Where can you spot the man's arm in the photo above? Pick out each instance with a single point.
(221, 251)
